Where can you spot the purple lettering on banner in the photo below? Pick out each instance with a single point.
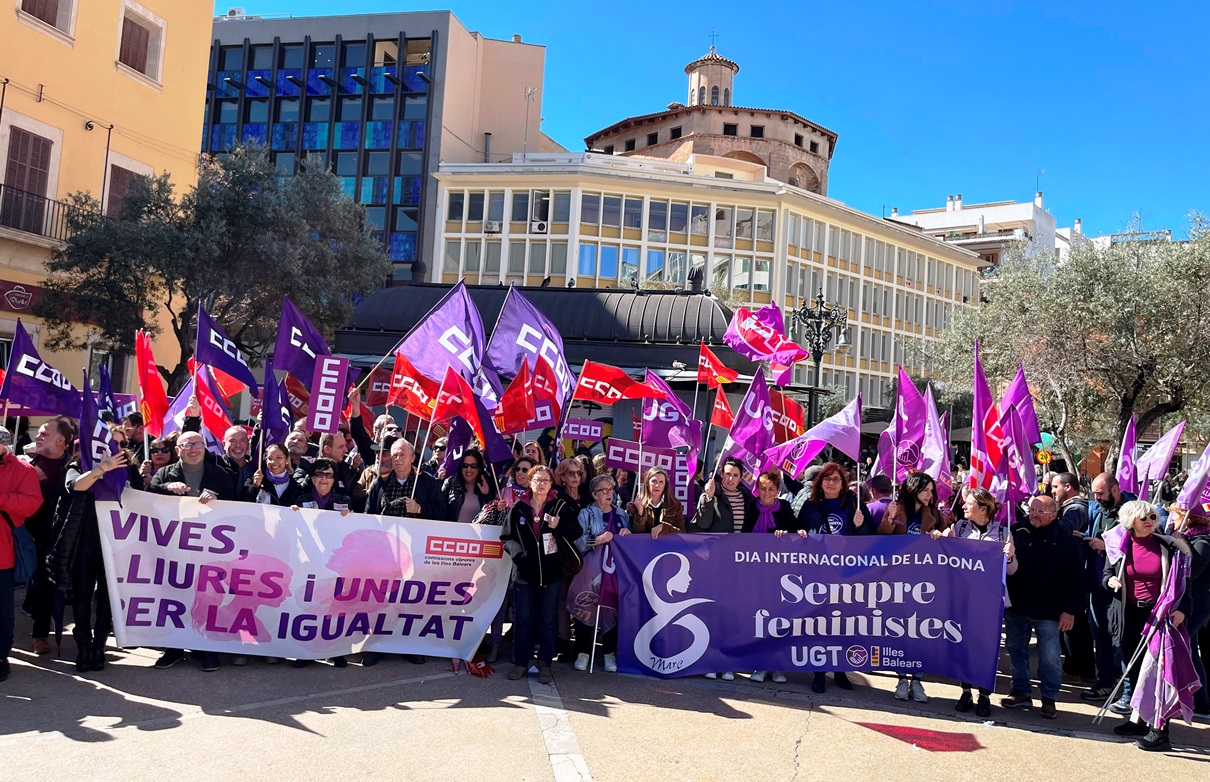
(625, 455)
(327, 393)
(692, 604)
(583, 429)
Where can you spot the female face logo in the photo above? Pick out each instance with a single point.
(667, 613)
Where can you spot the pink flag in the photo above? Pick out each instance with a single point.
(1021, 474)
(1153, 464)
(910, 414)
(1017, 395)
(1128, 474)
(760, 336)
(986, 434)
(934, 452)
(1195, 485)
(842, 431)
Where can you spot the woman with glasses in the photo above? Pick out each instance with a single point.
(601, 521)
(274, 484)
(833, 510)
(765, 514)
(571, 483)
(467, 493)
(323, 496)
(1137, 576)
(655, 510)
(538, 525)
(161, 454)
(912, 512)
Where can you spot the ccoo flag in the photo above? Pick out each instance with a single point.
(299, 343)
(523, 332)
(96, 442)
(216, 349)
(32, 383)
(450, 335)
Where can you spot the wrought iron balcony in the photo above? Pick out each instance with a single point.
(35, 214)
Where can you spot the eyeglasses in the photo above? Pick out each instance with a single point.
(471, 466)
(829, 478)
(161, 449)
(438, 448)
(606, 489)
(325, 474)
(1151, 517)
(575, 472)
(522, 471)
(542, 479)
(190, 446)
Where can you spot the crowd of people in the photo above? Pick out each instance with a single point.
(1083, 606)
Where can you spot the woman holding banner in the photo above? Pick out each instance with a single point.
(979, 523)
(539, 526)
(768, 514)
(833, 510)
(655, 510)
(602, 522)
(912, 512)
(273, 484)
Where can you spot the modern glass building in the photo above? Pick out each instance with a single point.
(381, 99)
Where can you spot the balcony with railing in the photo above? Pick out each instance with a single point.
(35, 214)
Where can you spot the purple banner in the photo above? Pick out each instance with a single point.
(696, 604)
(583, 429)
(327, 394)
(628, 455)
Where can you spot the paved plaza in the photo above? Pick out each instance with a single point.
(399, 721)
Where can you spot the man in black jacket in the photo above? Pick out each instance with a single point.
(192, 476)
(1079, 661)
(1045, 592)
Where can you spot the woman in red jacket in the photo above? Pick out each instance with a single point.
(20, 496)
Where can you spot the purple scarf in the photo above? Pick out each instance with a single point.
(764, 516)
(322, 501)
(278, 480)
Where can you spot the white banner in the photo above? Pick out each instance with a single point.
(244, 578)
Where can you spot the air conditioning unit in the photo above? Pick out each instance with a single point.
(492, 226)
(539, 227)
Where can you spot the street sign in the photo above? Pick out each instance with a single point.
(1045, 457)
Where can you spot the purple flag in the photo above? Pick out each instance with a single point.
(105, 391)
(1195, 484)
(910, 415)
(1167, 679)
(753, 426)
(1153, 464)
(458, 439)
(523, 332)
(1128, 475)
(449, 335)
(96, 442)
(886, 452)
(669, 423)
(1020, 474)
(214, 348)
(276, 414)
(496, 447)
(842, 431)
(1017, 395)
(298, 343)
(32, 383)
(934, 453)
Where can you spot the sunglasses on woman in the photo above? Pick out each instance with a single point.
(161, 449)
(522, 471)
(470, 466)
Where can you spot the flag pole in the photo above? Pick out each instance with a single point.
(415, 461)
(381, 361)
(592, 657)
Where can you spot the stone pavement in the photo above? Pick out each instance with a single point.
(400, 721)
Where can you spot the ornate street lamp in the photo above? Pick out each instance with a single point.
(817, 322)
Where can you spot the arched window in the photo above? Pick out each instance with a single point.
(701, 95)
(714, 96)
(726, 96)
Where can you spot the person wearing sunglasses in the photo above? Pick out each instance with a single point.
(571, 483)
(433, 465)
(1045, 593)
(324, 494)
(1136, 573)
(468, 491)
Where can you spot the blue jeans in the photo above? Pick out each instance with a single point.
(535, 613)
(6, 612)
(1017, 630)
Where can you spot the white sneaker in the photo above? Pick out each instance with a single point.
(917, 692)
(901, 690)
(779, 677)
(581, 663)
(728, 676)
(712, 676)
(757, 676)
(611, 663)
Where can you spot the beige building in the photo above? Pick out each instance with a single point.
(987, 229)
(596, 220)
(792, 149)
(92, 95)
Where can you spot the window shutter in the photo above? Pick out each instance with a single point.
(135, 40)
(46, 10)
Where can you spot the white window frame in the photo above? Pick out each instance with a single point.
(64, 28)
(155, 45)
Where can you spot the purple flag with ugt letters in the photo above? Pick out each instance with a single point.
(298, 343)
(523, 332)
(449, 335)
(668, 422)
(214, 348)
(695, 604)
(753, 426)
(96, 442)
(33, 384)
(327, 394)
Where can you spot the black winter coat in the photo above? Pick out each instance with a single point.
(783, 517)
(534, 566)
(1048, 581)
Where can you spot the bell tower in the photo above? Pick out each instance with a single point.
(710, 80)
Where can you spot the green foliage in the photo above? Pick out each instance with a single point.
(1103, 334)
(238, 242)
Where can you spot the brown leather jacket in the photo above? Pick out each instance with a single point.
(671, 514)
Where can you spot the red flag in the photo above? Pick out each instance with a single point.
(721, 415)
(214, 414)
(299, 396)
(228, 386)
(787, 417)
(378, 387)
(604, 384)
(153, 401)
(710, 370)
(516, 406)
(411, 390)
(545, 386)
(456, 398)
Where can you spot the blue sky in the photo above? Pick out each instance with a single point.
(928, 98)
